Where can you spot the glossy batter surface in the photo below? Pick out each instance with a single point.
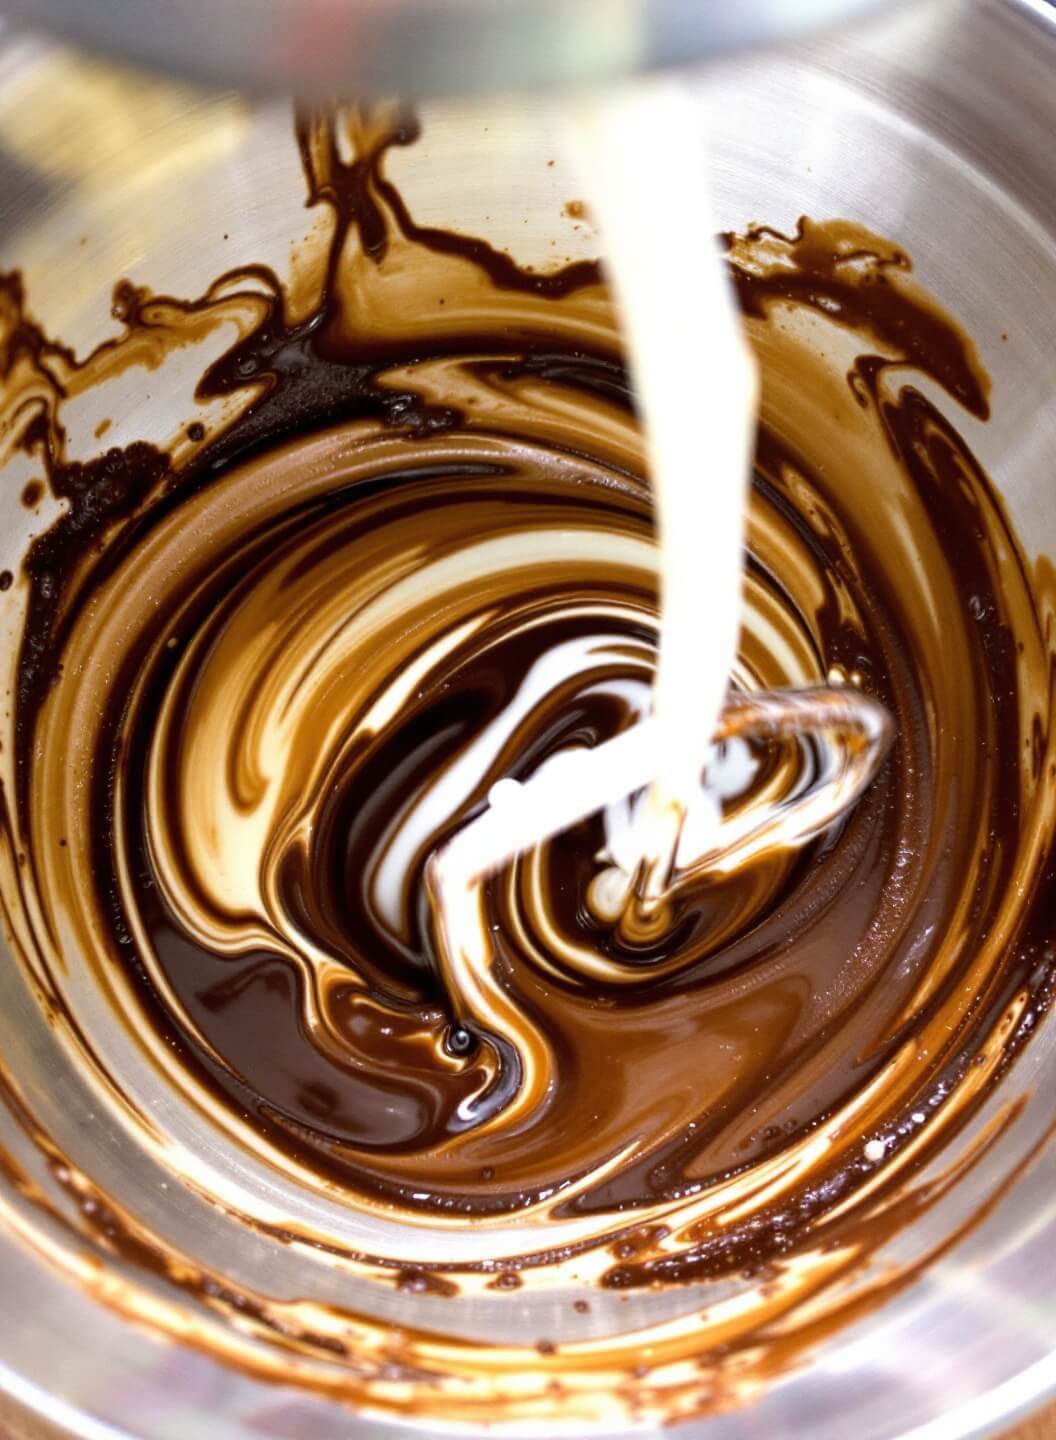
(267, 670)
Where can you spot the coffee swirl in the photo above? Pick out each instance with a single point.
(268, 671)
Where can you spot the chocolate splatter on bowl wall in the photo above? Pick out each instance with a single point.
(269, 664)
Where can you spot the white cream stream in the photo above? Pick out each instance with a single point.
(693, 373)
(685, 388)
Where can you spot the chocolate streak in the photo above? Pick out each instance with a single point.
(251, 657)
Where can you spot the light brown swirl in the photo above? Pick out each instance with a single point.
(265, 674)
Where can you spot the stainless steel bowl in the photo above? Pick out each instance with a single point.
(936, 129)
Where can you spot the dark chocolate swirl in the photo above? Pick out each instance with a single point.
(267, 670)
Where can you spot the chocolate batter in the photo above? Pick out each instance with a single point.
(267, 667)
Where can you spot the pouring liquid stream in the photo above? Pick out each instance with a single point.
(694, 374)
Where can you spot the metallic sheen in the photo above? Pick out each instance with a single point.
(449, 47)
(936, 130)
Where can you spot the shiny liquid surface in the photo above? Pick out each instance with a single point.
(266, 671)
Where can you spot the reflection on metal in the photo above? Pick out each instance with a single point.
(450, 47)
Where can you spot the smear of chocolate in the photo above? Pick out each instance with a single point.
(815, 972)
